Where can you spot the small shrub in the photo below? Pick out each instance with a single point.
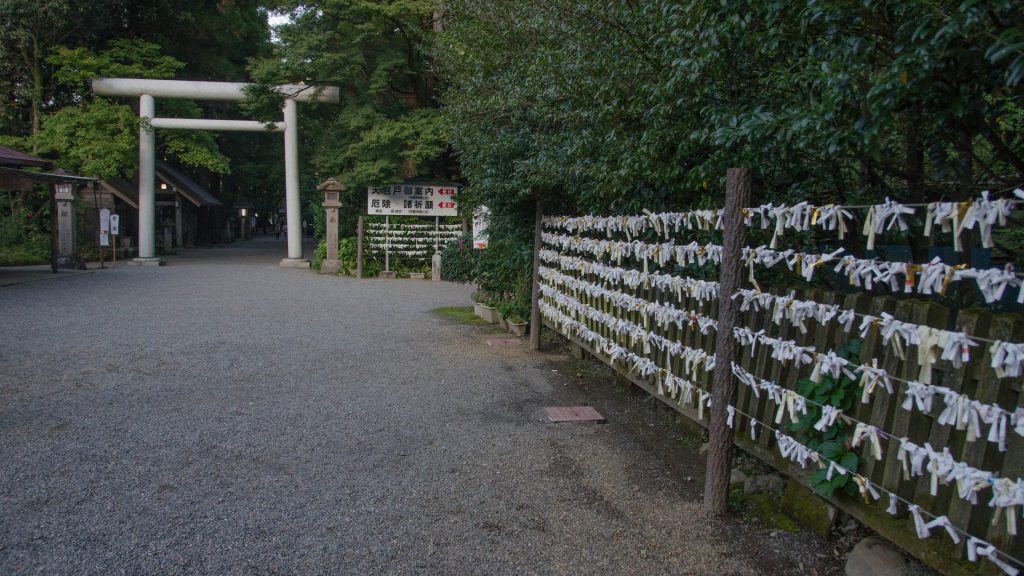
(833, 443)
(459, 260)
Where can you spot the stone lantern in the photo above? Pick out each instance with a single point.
(64, 193)
(332, 190)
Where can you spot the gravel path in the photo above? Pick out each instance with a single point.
(222, 415)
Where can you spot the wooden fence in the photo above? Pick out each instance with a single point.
(617, 312)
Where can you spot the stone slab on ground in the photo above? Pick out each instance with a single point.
(874, 556)
(573, 414)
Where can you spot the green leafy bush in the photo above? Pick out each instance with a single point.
(505, 272)
(458, 260)
(833, 443)
(23, 239)
(346, 255)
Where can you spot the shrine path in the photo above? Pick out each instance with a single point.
(222, 415)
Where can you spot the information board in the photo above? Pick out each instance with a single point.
(417, 199)
(104, 227)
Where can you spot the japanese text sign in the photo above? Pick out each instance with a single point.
(413, 199)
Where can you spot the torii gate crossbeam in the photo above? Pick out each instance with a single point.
(147, 90)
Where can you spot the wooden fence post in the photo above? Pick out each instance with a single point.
(737, 196)
(535, 290)
(359, 247)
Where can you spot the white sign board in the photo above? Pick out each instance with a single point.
(413, 200)
(104, 227)
(115, 224)
(481, 216)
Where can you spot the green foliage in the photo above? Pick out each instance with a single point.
(616, 107)
(98, 138)
(346, 255)
(195, 148)
(833, 443)
(505, 272)
(387, 126)
(516, 308)
(50, 48)
(123, 58)
(458, 260)
(24, 237)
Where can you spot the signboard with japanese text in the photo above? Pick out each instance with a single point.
(104, 227)
(481, 217)
(115, 224)
(413, 199)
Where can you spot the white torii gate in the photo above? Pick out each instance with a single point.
(148, 90)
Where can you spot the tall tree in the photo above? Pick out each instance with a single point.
(388, 126)
(29, 30)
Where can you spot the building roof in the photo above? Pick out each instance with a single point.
(186, 186)
(124, 190)
(12, 158)
(58, 176)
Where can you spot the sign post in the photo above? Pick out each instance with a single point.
(104, 231)
(115, 230)
(104, 227)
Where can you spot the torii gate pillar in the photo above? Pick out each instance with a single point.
(292, 203)
(147, 185)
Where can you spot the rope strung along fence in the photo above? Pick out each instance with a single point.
(625, 287)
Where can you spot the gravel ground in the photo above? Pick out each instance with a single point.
(222, 415)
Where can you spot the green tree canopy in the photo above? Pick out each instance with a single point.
(388, 126)
(100, 137)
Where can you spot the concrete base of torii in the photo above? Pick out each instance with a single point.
(148, 262)
(294, 263)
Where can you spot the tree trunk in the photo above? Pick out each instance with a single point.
(37, 92)
(716, 485)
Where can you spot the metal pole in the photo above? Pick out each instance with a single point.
(147, 179)
(720, 436)
(293, 203)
